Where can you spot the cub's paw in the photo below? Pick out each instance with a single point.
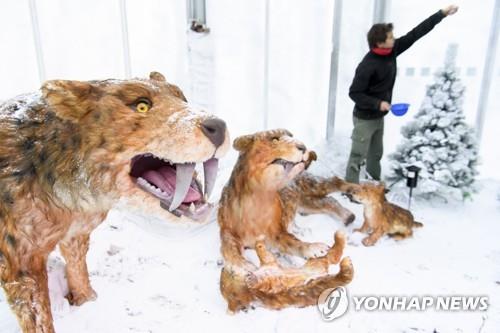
(361, 230)
(346, 272)
(367, 241)
(315, 250)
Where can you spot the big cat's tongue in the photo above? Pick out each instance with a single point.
(165, 179)
(192, 194)
(174, 183)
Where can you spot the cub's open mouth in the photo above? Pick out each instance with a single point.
(175, 184)
(351, 197)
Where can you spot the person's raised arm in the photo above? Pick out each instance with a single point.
(403, 43)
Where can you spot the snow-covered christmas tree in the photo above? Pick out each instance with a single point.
(438, 140)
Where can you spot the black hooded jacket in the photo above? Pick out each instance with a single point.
(376, 74)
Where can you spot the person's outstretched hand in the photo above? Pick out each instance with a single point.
(384, 106)
(450, 10)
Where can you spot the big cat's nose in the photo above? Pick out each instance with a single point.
(215, 130)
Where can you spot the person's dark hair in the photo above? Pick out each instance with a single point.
(378, 33)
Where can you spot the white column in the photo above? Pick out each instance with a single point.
(489, 66)
(201, 62)
(36, 38)
(334, 65)
(380, 11)
(265, 93)
(125, 43)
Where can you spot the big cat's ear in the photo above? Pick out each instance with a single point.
(312, 157)
(381, 187)
(243, 143)
(157, 76)
(71, 99)
(274, 133)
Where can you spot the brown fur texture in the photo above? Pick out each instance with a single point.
(380, 216)
(266, 189)
(65, 160)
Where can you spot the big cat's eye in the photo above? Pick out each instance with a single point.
(143, 105)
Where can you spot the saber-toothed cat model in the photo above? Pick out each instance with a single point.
(266, 190)
(69, 152)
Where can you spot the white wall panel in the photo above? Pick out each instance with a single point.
(18, 67)
(157, 38)
(81, 39)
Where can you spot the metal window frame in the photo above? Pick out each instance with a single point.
(197, 15)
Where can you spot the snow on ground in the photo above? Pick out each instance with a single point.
(156, 278)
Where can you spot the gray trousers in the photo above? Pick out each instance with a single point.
(367, 144)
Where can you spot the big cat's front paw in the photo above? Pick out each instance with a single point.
(79, 297)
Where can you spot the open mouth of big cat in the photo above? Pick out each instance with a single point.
(287, 165)
(175, 184)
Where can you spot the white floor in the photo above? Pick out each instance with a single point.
(156, 278)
